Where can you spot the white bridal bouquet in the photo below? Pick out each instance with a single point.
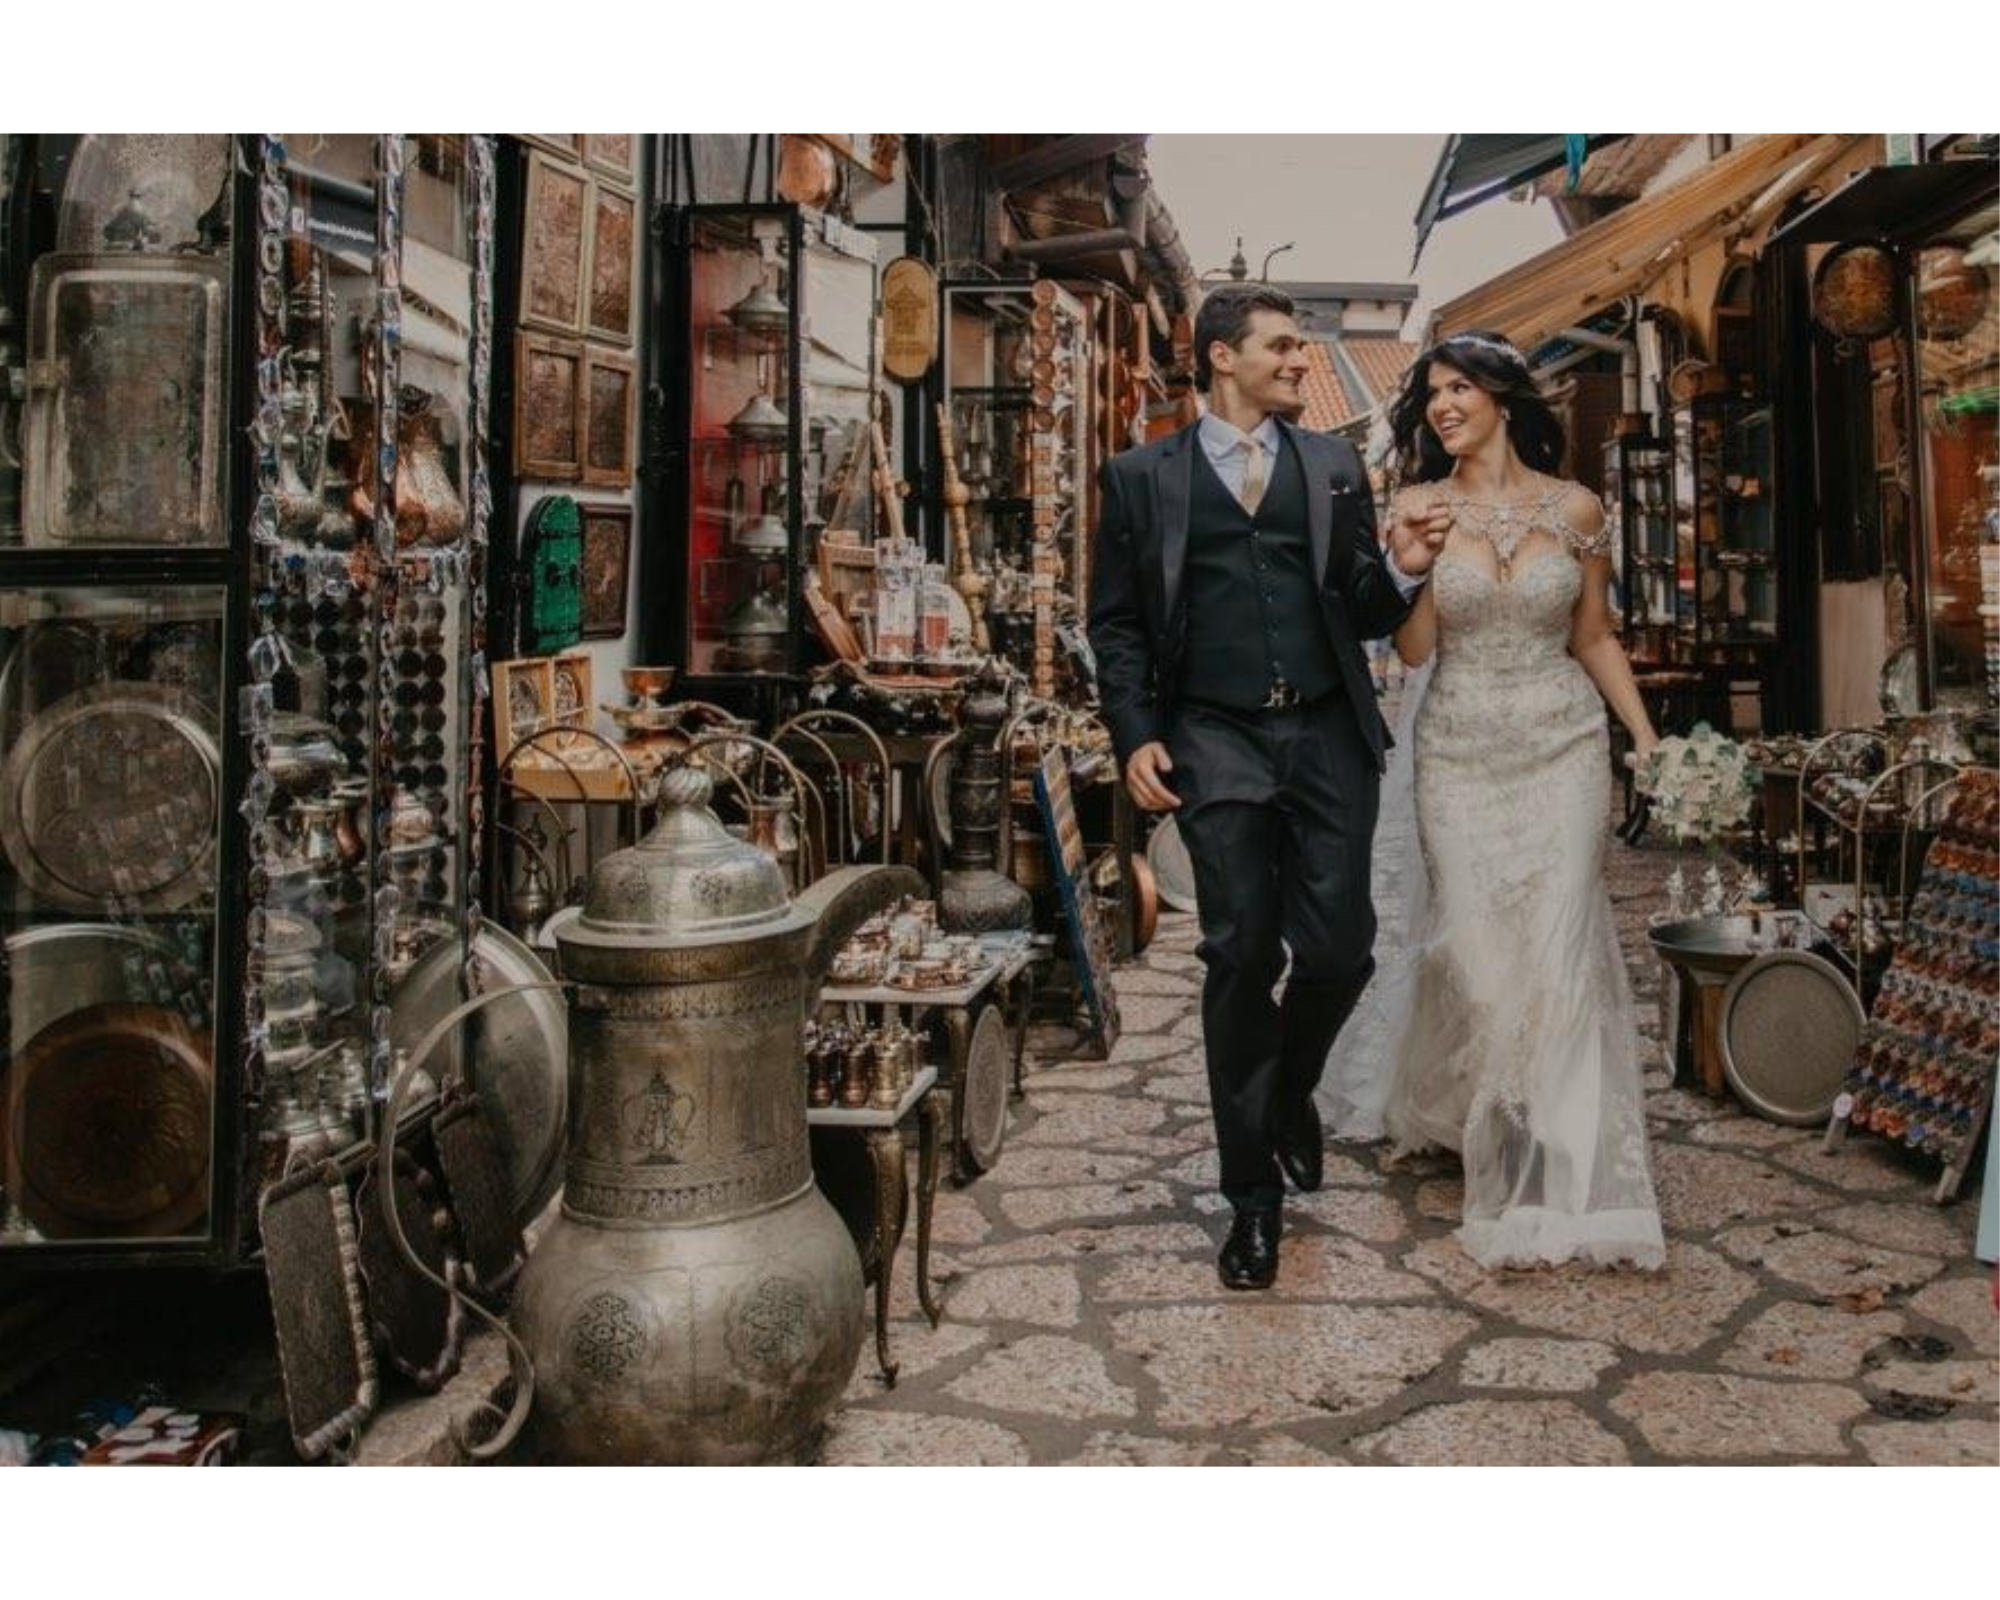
(1701, 786)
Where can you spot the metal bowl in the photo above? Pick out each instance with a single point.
(1709, 944)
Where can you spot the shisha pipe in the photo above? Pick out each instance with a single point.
(967, 579)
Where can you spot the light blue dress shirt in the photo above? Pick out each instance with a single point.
(1228, 450)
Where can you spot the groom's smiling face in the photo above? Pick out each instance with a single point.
(1268, 368)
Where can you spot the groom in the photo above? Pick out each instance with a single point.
(1237, 573)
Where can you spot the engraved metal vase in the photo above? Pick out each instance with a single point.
(697, 1300)
(975, 896)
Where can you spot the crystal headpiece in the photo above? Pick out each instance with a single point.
(1499, 347)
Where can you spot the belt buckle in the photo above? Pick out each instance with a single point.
(1282, 696)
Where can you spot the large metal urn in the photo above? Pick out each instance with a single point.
(697, 1300)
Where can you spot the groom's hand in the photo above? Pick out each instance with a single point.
(1142, 778)
(1418, 533)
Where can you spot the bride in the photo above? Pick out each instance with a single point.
(1507, 1027)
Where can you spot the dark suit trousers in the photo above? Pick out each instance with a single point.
(1278, 814)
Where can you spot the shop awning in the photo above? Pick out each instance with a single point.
(1567, 284)
(1894, 203)
(1475, 167)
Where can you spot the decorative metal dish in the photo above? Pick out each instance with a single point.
(111, 795)
(1789, 1028)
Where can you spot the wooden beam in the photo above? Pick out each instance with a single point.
(1057, 157)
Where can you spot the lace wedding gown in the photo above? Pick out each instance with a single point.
(1509, 1031)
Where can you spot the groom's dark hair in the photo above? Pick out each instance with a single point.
(1225, 315)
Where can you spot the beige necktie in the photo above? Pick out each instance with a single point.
(1253, 475)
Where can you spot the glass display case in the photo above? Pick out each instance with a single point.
(1723, 525)
(1639, 505)
(779, 306)
(1955, 336)
(1019, 384)
(240, 662)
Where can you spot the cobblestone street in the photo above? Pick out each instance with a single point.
(1815, 1308)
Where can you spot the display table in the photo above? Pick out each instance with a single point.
(976, 1077)
(882, 1130)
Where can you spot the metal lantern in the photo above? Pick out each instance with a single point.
(760, 422)
(697, 1301)
(762, 310)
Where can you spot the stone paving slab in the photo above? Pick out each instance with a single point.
(1816, 1306)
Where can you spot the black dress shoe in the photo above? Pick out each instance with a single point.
(1302, 1147)
(1249, 1258)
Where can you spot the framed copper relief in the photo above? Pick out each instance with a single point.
(613, 154)
(548, 407)
(555, 240)
(607, 567)
(610, 418)
(562, 144)
(524, 697)
(614, 264)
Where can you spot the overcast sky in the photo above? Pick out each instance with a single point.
(1346, 202)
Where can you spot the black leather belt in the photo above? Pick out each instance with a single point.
(1282, 697)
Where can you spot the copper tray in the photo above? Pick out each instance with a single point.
(109, 1123)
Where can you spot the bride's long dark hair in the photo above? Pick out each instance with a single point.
(1490, 361)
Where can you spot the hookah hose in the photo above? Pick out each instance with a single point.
(462, 1426)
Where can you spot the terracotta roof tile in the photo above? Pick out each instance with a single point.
(1381, 363)
(1328, 403)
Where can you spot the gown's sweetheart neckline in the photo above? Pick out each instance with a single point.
(1558, 553)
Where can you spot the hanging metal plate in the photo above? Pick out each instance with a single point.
(111, 795)
(418, 1324)
(108, 1124)
(311, 1265)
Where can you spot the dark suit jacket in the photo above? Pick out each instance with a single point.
(1138, 606)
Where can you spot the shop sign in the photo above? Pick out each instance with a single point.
(909, 319)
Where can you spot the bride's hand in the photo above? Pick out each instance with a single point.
(1418, 533)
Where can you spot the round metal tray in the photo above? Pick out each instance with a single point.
(982, 1110)
(518, 1061)
(108, 1124)
(1173, 871)
(1789, 1028)
(112, 793)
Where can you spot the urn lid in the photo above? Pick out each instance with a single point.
(689, 881)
